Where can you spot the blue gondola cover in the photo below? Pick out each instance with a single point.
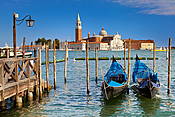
(115, 70)
(143, 72)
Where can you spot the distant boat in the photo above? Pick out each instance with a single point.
(115, 81)
(11, 53)
(146, 81)
(20, 54)
(119, 49)
(161, 49)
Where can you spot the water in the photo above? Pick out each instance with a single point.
(71, 99)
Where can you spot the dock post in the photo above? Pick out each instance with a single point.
(166, 53)
(30, 96)
(47, 66)
(37, 69)
(54, 63)
(124, 56)
(18, 98)
(40, 74)
(35, 52)
(129, 54)
(87, 68)
(154, 57)
(28, 76)
(3, 105)
(169, 65)
(7, 52)
(23, 48)
(65, 63)
(19, 101)
(96, 65)
(129, 67)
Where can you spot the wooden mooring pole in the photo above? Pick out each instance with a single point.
(40, 74)
(7, 52)
(87, 68)
(19, 102)
(154, 57)
(54, 63)
(169, 65)
(129, 54)
(35, 52)
(47, 66)
(37, 71)
(124, 56)
(96, 65)
(65, 63)
(166, 53)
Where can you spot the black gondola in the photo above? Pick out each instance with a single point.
(115, 81)
(146, 81)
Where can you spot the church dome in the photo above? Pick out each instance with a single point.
(103, 32)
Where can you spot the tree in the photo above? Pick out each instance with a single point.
(57, 43)
(43, 41)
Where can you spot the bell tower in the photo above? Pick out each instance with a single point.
(78, 30)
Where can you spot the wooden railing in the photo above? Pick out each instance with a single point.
(17, 75)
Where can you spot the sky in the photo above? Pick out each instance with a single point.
(136, 19)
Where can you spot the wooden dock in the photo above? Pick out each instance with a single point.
(19, 77)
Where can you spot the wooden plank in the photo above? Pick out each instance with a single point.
(32, 67)
(8, 85)
(23, 69)
(6, 68)
(10, 71)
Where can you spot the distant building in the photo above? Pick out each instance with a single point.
(78, 30)
(91, 45)
(103, 41)
(140, 44)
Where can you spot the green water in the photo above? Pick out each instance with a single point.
(71, 99)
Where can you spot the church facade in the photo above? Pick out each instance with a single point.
(103, 41)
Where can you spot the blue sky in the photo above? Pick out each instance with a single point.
(137, 19)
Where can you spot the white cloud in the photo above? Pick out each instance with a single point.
(158, 7)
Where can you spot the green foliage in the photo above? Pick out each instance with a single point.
(42, 41)
(57, 61)
(150, 58)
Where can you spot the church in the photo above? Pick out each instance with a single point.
(102, 41)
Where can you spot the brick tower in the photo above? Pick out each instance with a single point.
(78, 30)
